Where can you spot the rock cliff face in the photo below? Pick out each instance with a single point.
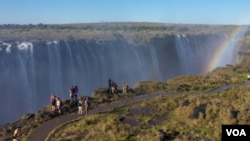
(31, 71)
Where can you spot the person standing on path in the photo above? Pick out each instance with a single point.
(58, 105)
(16, 134)
(53, 102)
(72, 93)
(86, 104)
(80, 105)
(124, 87)
(76, 92)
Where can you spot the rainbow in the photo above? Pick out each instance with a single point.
(217, 56)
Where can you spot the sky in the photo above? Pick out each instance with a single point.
(95, 11)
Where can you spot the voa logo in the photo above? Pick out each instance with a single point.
(236, 132)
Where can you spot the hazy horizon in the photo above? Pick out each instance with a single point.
(222, 12)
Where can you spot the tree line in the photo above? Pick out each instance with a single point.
(96, 26)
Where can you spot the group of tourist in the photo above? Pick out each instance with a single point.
(113, 87)
(56, 103)
(83, 102)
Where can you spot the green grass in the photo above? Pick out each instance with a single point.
(180, 119)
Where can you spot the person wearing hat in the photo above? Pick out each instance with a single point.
(16, 133)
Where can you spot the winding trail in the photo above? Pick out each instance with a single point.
(41, 132)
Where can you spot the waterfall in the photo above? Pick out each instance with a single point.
(155, 62)
(31, 71)
(195, 53)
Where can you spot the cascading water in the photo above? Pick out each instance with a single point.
(31, 71)
(195, 53)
